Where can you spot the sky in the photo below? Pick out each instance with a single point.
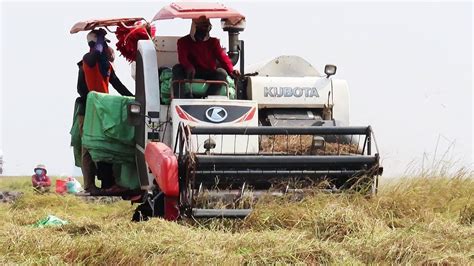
(408, 66)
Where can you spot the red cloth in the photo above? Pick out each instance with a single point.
(128, 38)
(40, 181)
(202, 55)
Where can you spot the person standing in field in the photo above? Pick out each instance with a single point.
(41, 182)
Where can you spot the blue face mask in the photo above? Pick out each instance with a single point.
(39, 172)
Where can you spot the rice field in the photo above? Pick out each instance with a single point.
(419, 220)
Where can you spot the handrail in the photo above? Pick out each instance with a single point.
(198, 81)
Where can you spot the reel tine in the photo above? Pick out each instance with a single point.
(241, 194)
(247, 147)
(301, 144)
(273, 145)
(222, 142)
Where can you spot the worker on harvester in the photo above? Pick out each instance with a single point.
(95, 74)
(198, 54)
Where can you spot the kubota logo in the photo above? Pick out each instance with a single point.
(290, 92)
(216, 114)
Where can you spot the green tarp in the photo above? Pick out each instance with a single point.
(199, 89)
(48, 221)
(76, 137)
(107, 135)
(165, 85)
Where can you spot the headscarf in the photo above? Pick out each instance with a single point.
(200, 20)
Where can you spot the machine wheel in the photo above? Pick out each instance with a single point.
(153, 206)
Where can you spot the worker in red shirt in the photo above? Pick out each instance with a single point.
(198, 54)
(95, 74)
(40, 180)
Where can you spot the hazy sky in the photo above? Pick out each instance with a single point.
(408, 65)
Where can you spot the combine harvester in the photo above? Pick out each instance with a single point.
(285, 129)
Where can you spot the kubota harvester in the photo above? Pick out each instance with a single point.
(281, 128)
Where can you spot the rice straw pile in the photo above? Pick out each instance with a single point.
(303, 144)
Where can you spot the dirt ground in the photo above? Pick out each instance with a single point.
(9, 196)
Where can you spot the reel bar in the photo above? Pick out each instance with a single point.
(279, 173)
(254, 193)
(281, 130)
(222, 213)
(258, 160)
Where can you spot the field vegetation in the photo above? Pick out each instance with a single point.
(425, 220)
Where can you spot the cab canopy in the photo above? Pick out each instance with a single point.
(96, 23)
(184, 10)
(194, 10)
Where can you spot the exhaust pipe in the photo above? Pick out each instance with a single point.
(234, 49)
(234, 30)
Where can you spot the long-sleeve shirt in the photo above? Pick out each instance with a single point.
(40, 181)
(202, 55)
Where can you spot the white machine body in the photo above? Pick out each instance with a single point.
(286, 83)
(217, 112)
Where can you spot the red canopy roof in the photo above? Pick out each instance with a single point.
(92, 24)
(194, 10)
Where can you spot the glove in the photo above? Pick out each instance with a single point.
(100, 44)
(235, 73)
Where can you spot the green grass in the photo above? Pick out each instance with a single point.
(414, 221)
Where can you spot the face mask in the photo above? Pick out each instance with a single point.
(39, 172)
(200, 35)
